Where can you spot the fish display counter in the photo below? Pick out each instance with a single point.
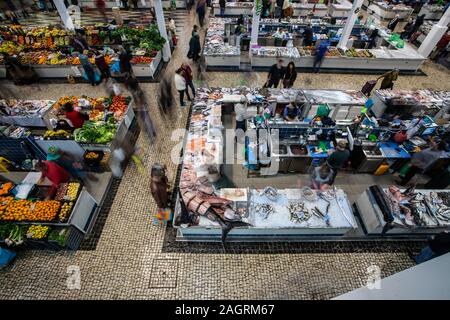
(265, 57)
(25, 113)
(384, 11)
(393, 211)
(91, 4)
(205, 210)
(304, 9)
(287, 213)
(432, 11)
(236, 8)
(340, 9)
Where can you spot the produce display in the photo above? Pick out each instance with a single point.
(95, 132)
(6, 188)
(360, 53)
(141, 60)
(56, 135)
(66, 208)
(37, 232)
(72, 190)
(44, 210)
(92, 155)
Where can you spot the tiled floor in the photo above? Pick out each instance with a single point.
(132, 259)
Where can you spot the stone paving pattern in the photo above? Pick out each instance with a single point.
(129, 262)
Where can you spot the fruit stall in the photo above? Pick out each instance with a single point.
(28, 219)
(49, 51)
(109, 121)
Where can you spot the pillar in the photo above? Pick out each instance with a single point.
(435, 35)
(162, 29)
(64, 14)
(352, 15)
(255, 25)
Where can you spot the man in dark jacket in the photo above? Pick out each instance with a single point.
(222, 4)
(276, 73)
(194, 47)
(308, 36)
(278, 9)
(437, 246)
(338, 159)
(201, 10)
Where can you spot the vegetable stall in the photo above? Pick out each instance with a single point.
(48, 50)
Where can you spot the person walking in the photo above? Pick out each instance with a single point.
(194, 47)
(102, 66)
(173, 31)
(308, 35)
(101, 7)
(201, 10)
(125, 4)
(388, 79)
(159, 186)
(438, 245)
(407, 30)
(188, 77)
(423, 160)
(166, 98)
(222, 4)
(276, 73)
(241, 113)
(418, 23)
(88, 68)
(125, 61)
(135, 4)
(288, 9)
(321, 51)
(180, 85)
(338, 159)
(290, 76)
(322, 178)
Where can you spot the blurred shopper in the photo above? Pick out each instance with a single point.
(166, 102)
(194, 47)
(441, 47)
(321, 51)
(438, 245)
(159, 186)
(188, 77)
(79, 43)
(290, 76)
(101, 7)
(423, 160)
(388, 79)
(173, 31)
(201, 10)
(418, 23)
(288, 9)
(89, 72)
(76, 118)
(322, 178)
(135, 4)
(278, 8)
(241, 113)
(291, 112)
(125, 4)
(101, 64)
(222, 4)
(125, 61)
(180, 85)
(194, 30)
(308, 35)
(132, 84)
(19, 73)
(339, 158)
(6, 257)
(276, 73)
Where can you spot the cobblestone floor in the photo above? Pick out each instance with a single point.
(129, 261)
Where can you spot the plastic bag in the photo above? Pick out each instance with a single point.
(115, 67)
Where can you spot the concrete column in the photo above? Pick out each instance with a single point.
(352, 15)
(255, 26)
(435, 35)
(64, 14)
(162, 29)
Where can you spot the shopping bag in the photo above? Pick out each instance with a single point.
(163, 216)
(115, 67)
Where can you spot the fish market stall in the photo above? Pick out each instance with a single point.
(28, 219)
(340, 9)
(236, 8)
(432, 11)
(410, 103)
(392, 211)
(217, 52)
(304, 9)
(114, 3)
(25, 113)
(205, 211)
(265, 57)
(384, 11)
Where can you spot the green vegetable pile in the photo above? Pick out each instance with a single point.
(148, 38)
(95, 132)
